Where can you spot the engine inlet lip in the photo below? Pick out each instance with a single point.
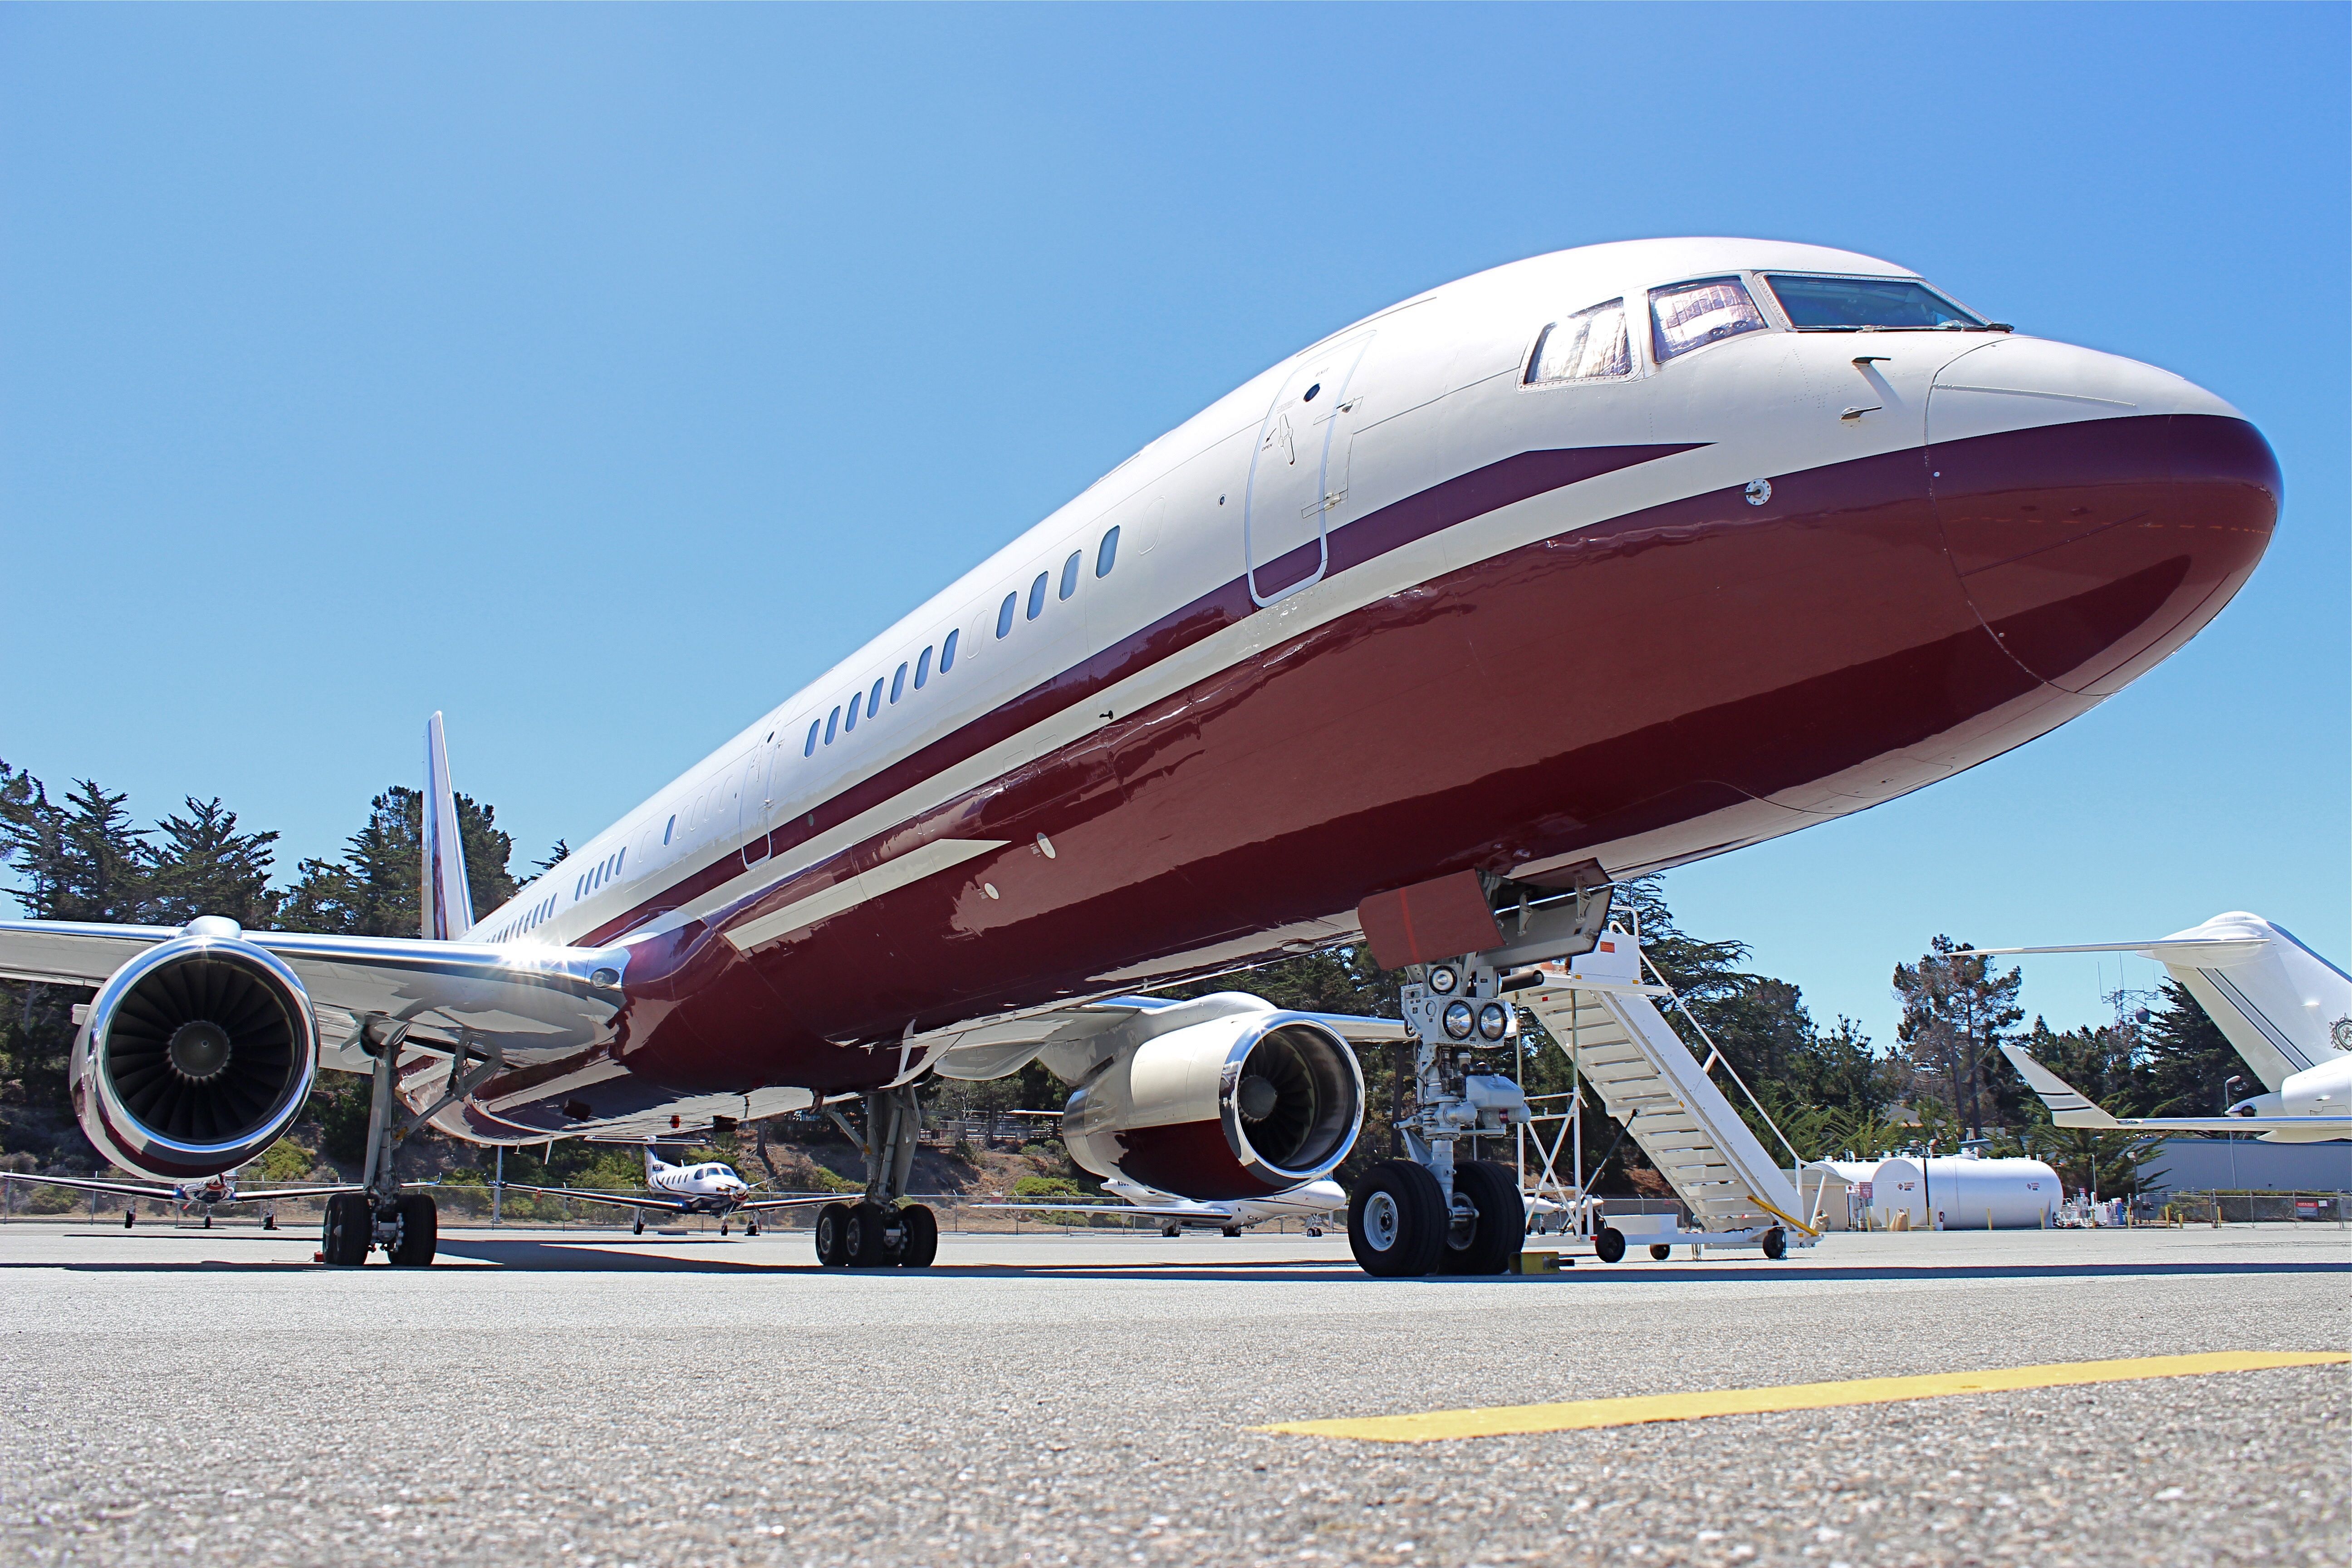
(155, 1151)
(1230, 1112)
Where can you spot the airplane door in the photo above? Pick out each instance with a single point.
(1298, 473)
(752, 791)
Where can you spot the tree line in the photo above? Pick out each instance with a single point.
(82, 855)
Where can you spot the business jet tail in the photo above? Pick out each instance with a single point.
(447, 903)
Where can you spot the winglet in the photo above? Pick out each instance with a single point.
(447, 903)
(2069, 1107)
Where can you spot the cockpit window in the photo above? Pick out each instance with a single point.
(1866, 305)
(1686, 316)
(1590, 345)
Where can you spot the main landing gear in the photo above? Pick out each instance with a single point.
(405, 1226)
(881, 1230)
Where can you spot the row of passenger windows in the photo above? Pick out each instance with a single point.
(867, 703)
(1594, 345)
(528, 919)
(1105, 556)
(604, 872)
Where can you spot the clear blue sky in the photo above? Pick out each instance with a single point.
(600, 375)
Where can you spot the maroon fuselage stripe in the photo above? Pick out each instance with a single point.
(1441, 507)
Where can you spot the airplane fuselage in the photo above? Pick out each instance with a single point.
(1403, 605)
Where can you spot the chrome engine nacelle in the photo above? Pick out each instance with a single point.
(196, 1055)
(1223, 1096)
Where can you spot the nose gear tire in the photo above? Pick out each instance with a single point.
(1495, 1237)
(1609, 1246)
(1396, 1220)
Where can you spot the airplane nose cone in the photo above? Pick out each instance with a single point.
(2098, 511)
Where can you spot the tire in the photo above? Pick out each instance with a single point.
(1609, 1246)
(1172, 1231)
(722, 1227)
(1396, 1221)
(1230, 1230)
(638, 1229)
(833, 1236)
(1775, 1244)
(269, 1221)
(919, 1234)
(1661, 1251)
(127, 1213)
(869, 1239)
(420, 1227)
(1313, 1230)
(1500, 1226)
(751, 1228)
(349, 1231)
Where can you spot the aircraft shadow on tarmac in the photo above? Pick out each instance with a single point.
(575, 1257)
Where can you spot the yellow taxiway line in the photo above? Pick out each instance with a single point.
(1582, 1415)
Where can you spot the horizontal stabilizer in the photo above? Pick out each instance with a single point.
(2068, 1106)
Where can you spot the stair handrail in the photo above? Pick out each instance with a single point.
(1714, 1055)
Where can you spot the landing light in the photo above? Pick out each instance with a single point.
(1443, 980)
(1494, 1021)
(1459, 1020)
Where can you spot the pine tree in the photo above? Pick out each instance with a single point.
(2190, 1061)
(1957, 1007)
(376, 889)
(204, 865)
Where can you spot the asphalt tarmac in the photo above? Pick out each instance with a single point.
(211, 1397)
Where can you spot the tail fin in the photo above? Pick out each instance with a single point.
(447, 903)
(2277, 1003)
(2069, 1107)
(653, 1161)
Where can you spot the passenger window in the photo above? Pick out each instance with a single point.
(831, 725)
(851, 723)
(923, 670)
(1590, 345)
(810, 750)
(1070, 576)
(671, 826)
(1003, 617)
(620, 860)
(1037, 595)
(898, 684)
(1106, 553)
(947, 651)
(874, 698)
(1689, 316)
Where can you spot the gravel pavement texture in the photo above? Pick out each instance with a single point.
(210, 1398)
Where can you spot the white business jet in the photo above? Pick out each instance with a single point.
(2286, 1010)
(1366, 650)
(707, 1188)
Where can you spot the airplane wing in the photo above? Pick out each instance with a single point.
(1176, 1211)
(164, 1194)
(665, 1204)
(2069, 1107)
(537, 1003)
(2207, 943)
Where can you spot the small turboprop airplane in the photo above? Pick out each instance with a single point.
(1313, 1202)
(212, 1192)
(2286, 1010)
(1425, 637)
(705, 1188)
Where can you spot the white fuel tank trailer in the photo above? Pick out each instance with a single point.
(1970, 1194)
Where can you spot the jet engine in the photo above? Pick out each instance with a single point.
(196, 1055)
(1221, 1098)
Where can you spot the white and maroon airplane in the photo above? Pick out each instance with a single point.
(1595, 563)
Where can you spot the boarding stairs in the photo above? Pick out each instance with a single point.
(1606, 1017)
